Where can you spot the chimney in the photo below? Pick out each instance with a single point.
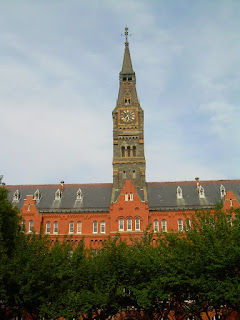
(198, 183)
(62, 183)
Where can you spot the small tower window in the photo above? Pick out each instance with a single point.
(58, 195)
(134, 174)
(128, 151)
(28, 207)
(79, 195)
(201, 192)
(123, 151)
(134, 151)
(124, 79)
(37, 195)
(16, 196)
(179, 192)
(222, 191)
(124, 175)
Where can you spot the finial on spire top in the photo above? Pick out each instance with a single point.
(126, 35)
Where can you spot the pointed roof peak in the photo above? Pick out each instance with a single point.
(127, 63)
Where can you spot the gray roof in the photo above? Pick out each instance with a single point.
(95, 197)
(162, 196)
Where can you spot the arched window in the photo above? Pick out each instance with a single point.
(179, 192)
(134, 151)
(124, 175)
(155, 226)
(129, 224)
(188, 224)
(95, 227)
(16, 196)
(71, 227)
(222, 191)
(30, 226)
(126, 196)
(79, 195)
(131, 196)
(137, 224)
(48, 226)
(128, 151)
(37, 195)
(201, 192)
(23, 225)
(180, 225)
(134, 174)
(121, 224)
(102, 227)
(58, 195)
(55, 227)
(123, 151)
(79, 227)
(164, 225)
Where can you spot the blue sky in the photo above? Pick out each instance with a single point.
(59, 74)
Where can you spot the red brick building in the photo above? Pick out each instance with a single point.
(129, 204)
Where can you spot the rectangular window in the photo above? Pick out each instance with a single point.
(79, 227)
(180, 225)
(95, 227)
(71, 227)
(137, 224)
(30, 227)
(164, 226)
(48, 225)
(121, 225)
(155, 226)
(129, 224)
(55, 227)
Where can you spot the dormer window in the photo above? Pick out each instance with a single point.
(222, 191)
(201, 192)
(79, 195)
(16, 196)
(37, 195)
(58, 195)
(179, 192)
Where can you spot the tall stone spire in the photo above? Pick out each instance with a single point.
(128, 135)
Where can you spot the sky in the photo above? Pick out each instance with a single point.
(59, 79)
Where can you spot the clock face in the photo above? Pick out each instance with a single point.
(127, 116)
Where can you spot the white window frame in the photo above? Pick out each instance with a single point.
(71, 227)
(48, 227)
(179, 193)
(58, 195)
(180, 225)
(79, 195)
(95, 227)
(121, 224)
(201, 192)
(131, 196)
(102, 227)
(30, 226)
(137, 224)
(55, 227)
(188, 224)
(79, 227)
(126, 196)
(156, 225)
(129, 224)
(164, 225)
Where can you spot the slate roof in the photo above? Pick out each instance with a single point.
(162, 196)
(95, 197)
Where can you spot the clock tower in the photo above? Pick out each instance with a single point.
(128, 137)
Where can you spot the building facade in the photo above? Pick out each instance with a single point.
(129, 204)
